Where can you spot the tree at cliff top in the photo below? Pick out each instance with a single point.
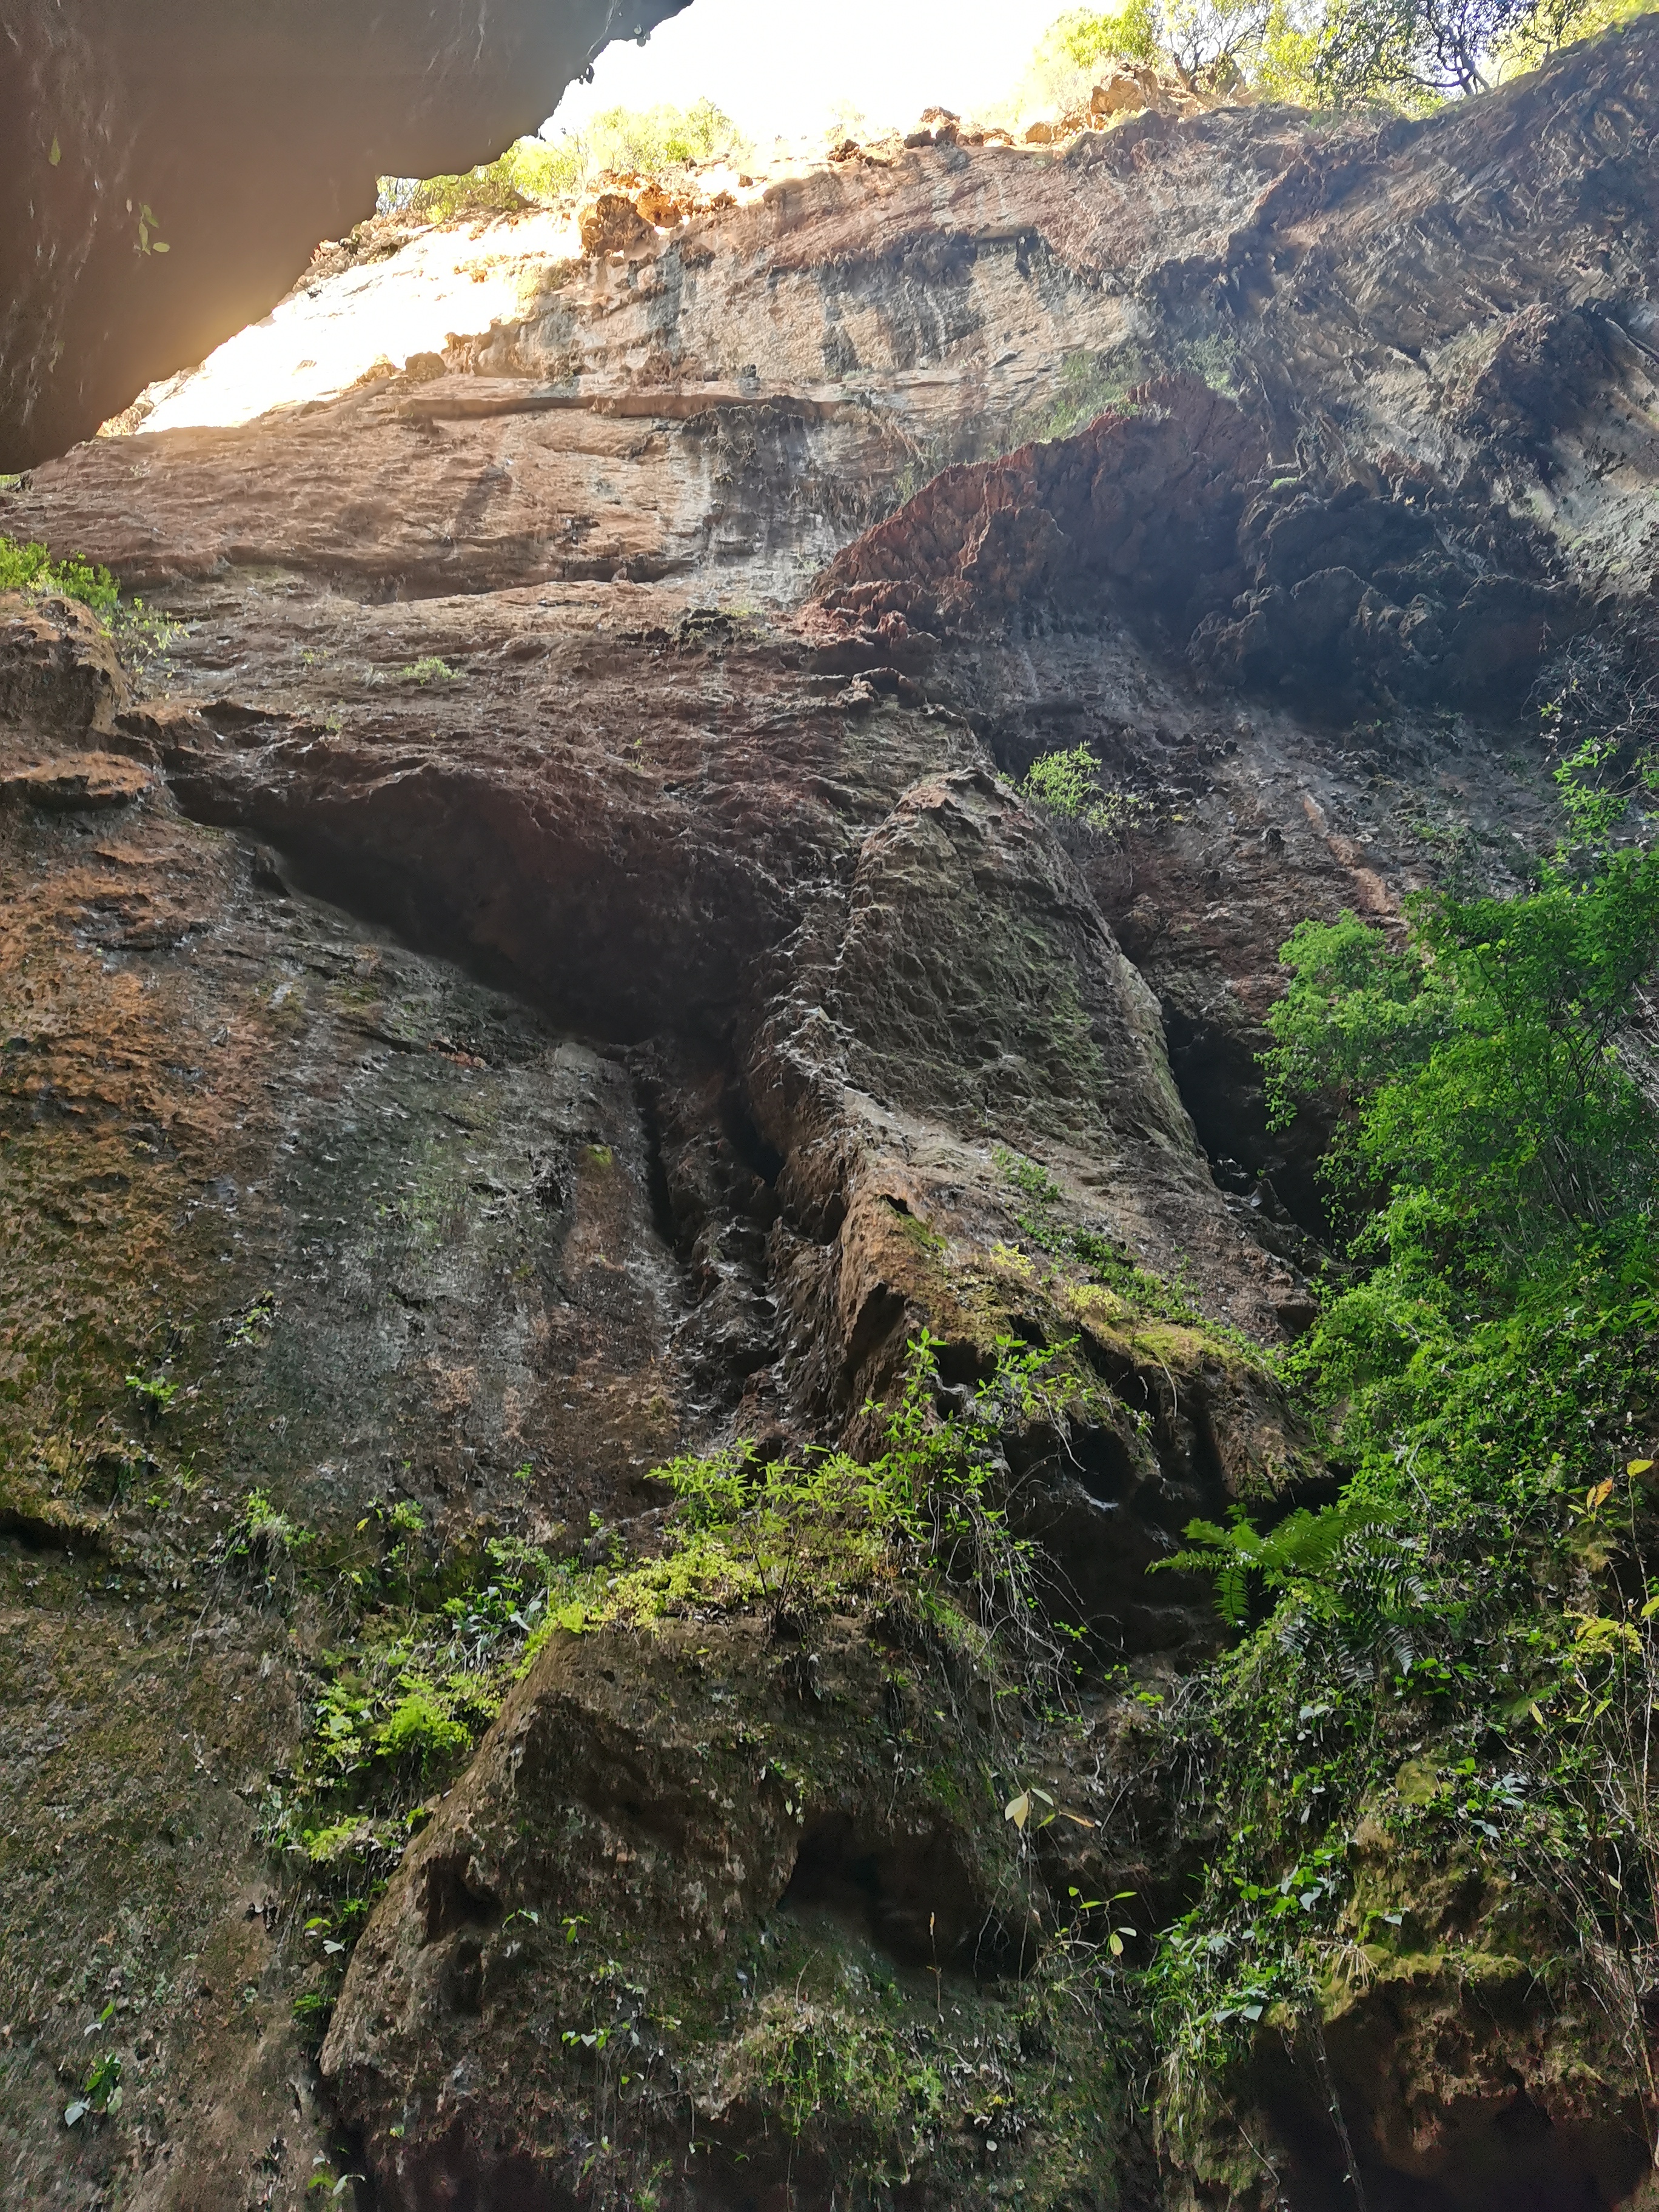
(1411, 53)
(1414, 52)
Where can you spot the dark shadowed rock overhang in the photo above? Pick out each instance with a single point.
(248, 131)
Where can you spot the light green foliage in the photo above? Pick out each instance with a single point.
(142, 635)
(429, 669)
(31, 568)
(1089, 41)
(397, 1704)
(530, 172)
(1209, 44)
(1411, 54)
(828, 2060)
(1477, 1074)
(1414, 53)
(101, 2091)
(404, 1697)
(1071, 786)
(147, 240)
(249, 1330)
(921, 1523)
(1558, 23)
(264, 1534)
(1086, 385)
(534, 173)
(1305, 1555)
(1462, 1649)
(154, 1393)
(1600, 710)
(419, 1732)
(655, 138)
(1080, 47)
(1285, 64)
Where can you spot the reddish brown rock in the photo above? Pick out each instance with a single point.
(615, 225)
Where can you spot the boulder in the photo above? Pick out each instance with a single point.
(614, 225)
(1131, 87)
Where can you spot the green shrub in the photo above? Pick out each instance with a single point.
(31, 568)
(1071, 786)
(920, 1523)
(530, 172)
(420, 1733)
(1475, 1075)
(1089, 41)
(662, 138)
(141, 634)
(534, 173)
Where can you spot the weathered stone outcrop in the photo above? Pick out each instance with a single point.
(1144, 506)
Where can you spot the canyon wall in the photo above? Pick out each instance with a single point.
(549, 970)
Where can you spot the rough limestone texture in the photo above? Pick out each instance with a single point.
(551, 968)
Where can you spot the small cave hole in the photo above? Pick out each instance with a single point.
(963, 1366)
(910, 1895)
(759, 1157)
(454, 1898)
(1104, 1465)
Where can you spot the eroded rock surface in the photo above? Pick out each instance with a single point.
(552, 969)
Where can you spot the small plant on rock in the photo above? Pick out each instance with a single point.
(154, 1393)
(1070, 786)
(31, 568)
(100, 2092)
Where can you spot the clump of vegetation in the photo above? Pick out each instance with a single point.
(531, 173)
(141, 634)
(1462, 1651)
(538, 173)
(1411, 54)
(922, 1523)
(1070, 785)
(100, 2092)
(431, 668)
(826, 2060)
(397, 1702)
(154, 1393)
(644, 140)
(262, 1544)
(31, 568)
(402, 1699)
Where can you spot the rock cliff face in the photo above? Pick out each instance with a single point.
(551, 970)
